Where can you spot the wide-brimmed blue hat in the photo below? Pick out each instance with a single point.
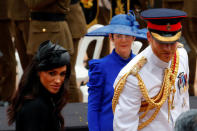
(124, 24)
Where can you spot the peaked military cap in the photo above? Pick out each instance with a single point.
(164, 24)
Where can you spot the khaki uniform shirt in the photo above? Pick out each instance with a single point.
(56, 31)
(19, 10)
(76, 21)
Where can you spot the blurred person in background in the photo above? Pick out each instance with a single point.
(187, 121)
(19, 14)
(77, 26)
(7, 62)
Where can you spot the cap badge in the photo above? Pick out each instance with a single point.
(168, 26)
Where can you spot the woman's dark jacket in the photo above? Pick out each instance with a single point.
(38, 114)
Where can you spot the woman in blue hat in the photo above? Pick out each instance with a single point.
(122, 31)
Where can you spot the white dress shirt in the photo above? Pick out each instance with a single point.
(126, 117)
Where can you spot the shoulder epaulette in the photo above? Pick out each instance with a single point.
(137, 67)
(179, 45)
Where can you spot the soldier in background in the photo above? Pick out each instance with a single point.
(7, 61)
(48, 23)
(104, 18)
(77, 25)
(20, 14)
(104, 12)
(97, 12)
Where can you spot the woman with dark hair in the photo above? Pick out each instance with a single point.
(41, 95)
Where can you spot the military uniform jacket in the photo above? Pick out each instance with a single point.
(19, 10)
(76, 21)
(126, 116)
(56, 31)
(52, 6)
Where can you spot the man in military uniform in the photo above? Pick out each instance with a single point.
(7, 61)
(104, 12)
(97, 13)
(77, 25)
(151, 91)
(20, 14)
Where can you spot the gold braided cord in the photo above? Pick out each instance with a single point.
(145, 92)
(168, 82)
(161, 97)
(142, 125)
(174, 74)
(120, 85)
(156, 98)
(117, 91)
(149, 107)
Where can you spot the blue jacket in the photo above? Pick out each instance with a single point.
(102, 74)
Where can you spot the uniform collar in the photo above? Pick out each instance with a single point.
(152, 58)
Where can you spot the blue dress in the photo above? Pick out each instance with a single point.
(102, 74)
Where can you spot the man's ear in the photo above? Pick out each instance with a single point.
(149, 37)
(134, 38)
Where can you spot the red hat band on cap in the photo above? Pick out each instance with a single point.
(169, 27)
